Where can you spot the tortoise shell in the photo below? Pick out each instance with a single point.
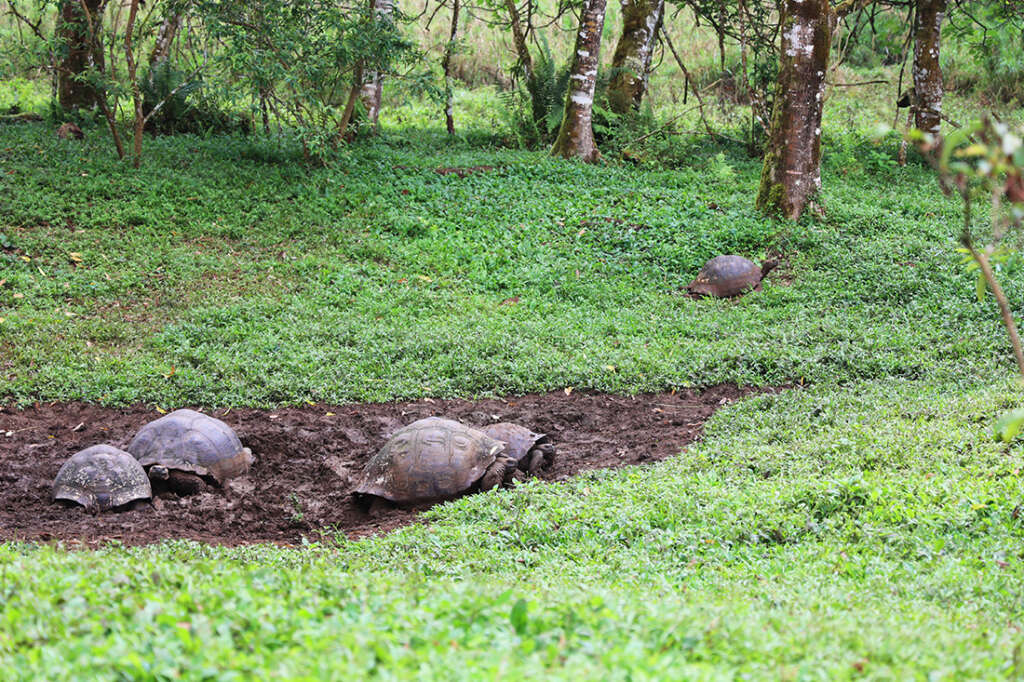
(186, 440)
(101, 477)
(428, 460)
(725, 276)
(519, 441)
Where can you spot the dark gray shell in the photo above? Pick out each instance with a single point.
(430, 459)
(725, 276)
(518, 440)
(187, 440)
(101, 477)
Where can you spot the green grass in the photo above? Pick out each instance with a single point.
(862, 525)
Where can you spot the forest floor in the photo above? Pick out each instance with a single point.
(864, 524)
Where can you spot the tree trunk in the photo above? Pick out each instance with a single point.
(449, 116)
(373, 81)
(641, 20)
(129, 55)
(78, 28)
(791, 175)
(927, 71)
(164, 39)
(576, 134)
(519, 40)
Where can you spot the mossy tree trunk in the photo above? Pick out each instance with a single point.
(631, 63)
(78, 29)
(373, 81)
(519, 40)
(927, 71)
(576, 134)
(791, 175)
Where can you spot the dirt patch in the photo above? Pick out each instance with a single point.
(305, 456)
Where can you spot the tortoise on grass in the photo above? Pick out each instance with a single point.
(100, 478)
(434, 459)
(186, 449)
(531, 451)
(725, 276)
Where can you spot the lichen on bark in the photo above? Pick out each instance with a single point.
(576, 134)
(631, 63)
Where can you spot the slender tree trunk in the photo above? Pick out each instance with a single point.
(449, 117)
(791, 175)
(576, 134)
(373, 81)
(164, 39)
(519, 40)
(641, 20)
(129, 55)
(78, 28)
(927, 71)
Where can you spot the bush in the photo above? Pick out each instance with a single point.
(183, 109)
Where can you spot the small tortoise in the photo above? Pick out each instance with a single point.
(531, 451)
(101, 477)
(434, 459)
(185, 449)
(725, 276)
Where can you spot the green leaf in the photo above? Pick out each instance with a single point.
(981, 286)
(1009, 425)
(518, 616)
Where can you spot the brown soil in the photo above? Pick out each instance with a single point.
(300, 484)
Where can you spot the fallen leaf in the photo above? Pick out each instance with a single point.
(328, 414)
(76, 429)
(171, 373)
(26, 259)
(568, 390)
(424, 278)
(161, 410)
(510, 301)
(610, 368)
(75, 256)
(18, 295)
(311, 403)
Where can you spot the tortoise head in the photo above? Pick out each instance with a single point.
(158, 472)
(768, 266)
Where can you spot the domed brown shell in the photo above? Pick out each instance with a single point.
(186, 440)
(101, 477)
(518, 440)
(428, 460)
(725, 276)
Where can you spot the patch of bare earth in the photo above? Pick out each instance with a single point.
(307, 458)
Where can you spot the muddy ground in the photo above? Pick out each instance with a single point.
(300, 483)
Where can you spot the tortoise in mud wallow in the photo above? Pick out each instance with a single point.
(531, 451)
(434, 459)
(184, 450)
(100, 478)
(726, 276)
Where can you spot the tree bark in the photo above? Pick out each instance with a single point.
(164, 39)
(576, 134)
(373, 81)
(519, 40)
(791, 175)
(129, 55)
(631, 63)
(449, 116)
(927, 71)
(78, 28)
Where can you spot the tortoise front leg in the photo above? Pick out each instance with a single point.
(499, 473)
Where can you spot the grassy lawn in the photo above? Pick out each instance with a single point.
(862, 525)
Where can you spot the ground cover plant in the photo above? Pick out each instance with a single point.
(844, 512)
